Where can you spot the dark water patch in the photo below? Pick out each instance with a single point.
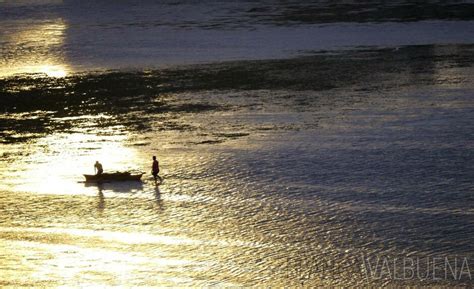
(183, 108)
(265, 128)
(89, 148)
(18, 138)
(318, 12)
(117, 91)
(323, 71)
(208, 142)
(232, 134)
(21, 130)
(140, 144)
(136, 99)
(228, 15)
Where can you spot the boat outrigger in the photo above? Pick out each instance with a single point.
(117, 176)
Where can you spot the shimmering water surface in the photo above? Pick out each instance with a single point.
(276, 172)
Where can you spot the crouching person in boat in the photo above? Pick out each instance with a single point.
(155, 170)
(98, 168)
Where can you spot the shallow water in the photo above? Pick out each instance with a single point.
(269, 182)
(288, 171)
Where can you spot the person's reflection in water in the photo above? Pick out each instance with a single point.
(158, 199)
(101, 204)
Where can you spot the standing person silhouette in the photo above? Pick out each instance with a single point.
(155, 170)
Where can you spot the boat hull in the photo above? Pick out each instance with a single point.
(113, 177)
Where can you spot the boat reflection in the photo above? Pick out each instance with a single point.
(116, 187)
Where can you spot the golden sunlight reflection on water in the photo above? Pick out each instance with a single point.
(64, 232)
(56, 162)
(95, 264)
(37, 48)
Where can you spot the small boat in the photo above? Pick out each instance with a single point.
(117, 176)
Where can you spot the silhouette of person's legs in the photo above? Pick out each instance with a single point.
(157, 177)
